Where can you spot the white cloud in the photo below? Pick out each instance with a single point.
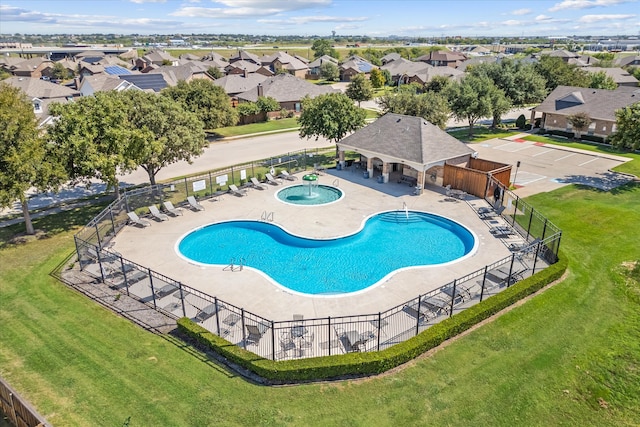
(248, 8)
(282, 5)
(521, 12)
(301, 20)
(588, 19)
(511, 23)
(148, 1)
(585, 4)
(540, 18)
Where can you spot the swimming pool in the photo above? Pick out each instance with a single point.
(386, 243)
(303, 195)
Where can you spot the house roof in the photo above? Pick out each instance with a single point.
(286, 88)
(404, 66)
(427, 74)
(234, 84)
(628, 60)
(562, 53)
(116, 70)
(620, 76)
(288, 62)
(243, 55)
(389, 57)
(181, 72)
(442, 55)
(28, 65)
(321, 60)
(150, 81)
(102, 82)
(406, 138)
(41, 89)
(251, 67)
(597, 103)
(357, 63)
(158, 56)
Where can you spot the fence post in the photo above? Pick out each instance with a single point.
(153, 292)
(233, 177)
(211, 183)
(113, 223)
(484, 278)
(273, 340)
(186, 187)
(515, 211)
(100, 264)
(453, 297)
(98, 236)
(215, 301)
(124, 274)
(182, 297)
(329, 335)
(530, 221)
(544, 229)
(244, 335)
(379, 328)
(418, 316)
(513, 258)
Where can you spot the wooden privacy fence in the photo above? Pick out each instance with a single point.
(474, 177)
(19, 412)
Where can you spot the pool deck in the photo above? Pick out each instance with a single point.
(154, 246)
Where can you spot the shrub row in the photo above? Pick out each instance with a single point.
(370, 363)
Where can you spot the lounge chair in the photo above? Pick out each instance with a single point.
(194, 203)
(165, 290)
(254, 334)
(171, 209)
(236, 191)
(208, 312)
(257, 185)
(157, 214)
(271, 180)
(501, 231)
(135, 219)
(285, 175)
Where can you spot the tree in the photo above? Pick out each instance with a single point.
(601, 80)
(166, 133)
(247, 109)
(377, 78)
(431, 106)
(520, 82)
(387, 77)
(207, 100)
(360, 89)
(579, 121)
(329, 71)
(500, 105)
(267, 104)
(24, 158)
(470, 99)
(323, 47)
(90, 136)
(627, 134)
(331, 116)
(437, 84)
(59, 72)
(556, 72)
(215, 72)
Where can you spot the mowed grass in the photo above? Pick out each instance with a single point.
(481, 133)
(570, 356)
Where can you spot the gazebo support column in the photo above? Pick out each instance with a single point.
(370, 166)
(385, 172)
(420, 184)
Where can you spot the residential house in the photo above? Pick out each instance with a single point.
(390, 57)
(287, 89)
(400, 69)
(283, 62)
(243, 55)
(314, 66)
(443, 58)
(235, 84)
(155, 57)
(243, 67)
(599, 104)
(89, 85)
(42, 93)
(628, 61)
(28, 67)
(353, 66)
(185, 72)
(620, 76)
(150, 82)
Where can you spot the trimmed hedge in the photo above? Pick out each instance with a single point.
(371, 363)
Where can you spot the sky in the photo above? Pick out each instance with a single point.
(374, 18)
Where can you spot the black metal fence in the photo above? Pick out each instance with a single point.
(301, 337)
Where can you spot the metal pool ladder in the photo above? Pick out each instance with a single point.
(267, 216)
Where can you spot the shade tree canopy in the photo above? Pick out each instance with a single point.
(25, 161)
(431, 106)
(359, 89)
(471, 99)
(627, 134)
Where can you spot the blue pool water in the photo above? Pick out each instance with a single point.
(300, 195)
(388, 241)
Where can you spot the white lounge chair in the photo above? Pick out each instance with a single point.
(271, 180)
(172, 209)
(257, 185)
(157, 214)
(194, 203)
(135, 219)
(236, 191)
(285, 175)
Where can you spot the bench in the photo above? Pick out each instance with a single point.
(408, 180)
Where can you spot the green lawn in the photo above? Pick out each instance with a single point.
(569, 356)
(481, 133)
(629, 167)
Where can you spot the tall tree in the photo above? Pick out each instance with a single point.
(207, 100)
(323, 47)
(329, 71)
(556, 72)
(377, 78)
(470, 99)
(24, 158)
(360, 89)
(601, 80)
(166, 133)
(500, 105)
(331, 116)
(431, 106)
(437, 84)
(627, 134)
(90, 136)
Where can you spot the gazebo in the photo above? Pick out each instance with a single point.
(405, 149)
